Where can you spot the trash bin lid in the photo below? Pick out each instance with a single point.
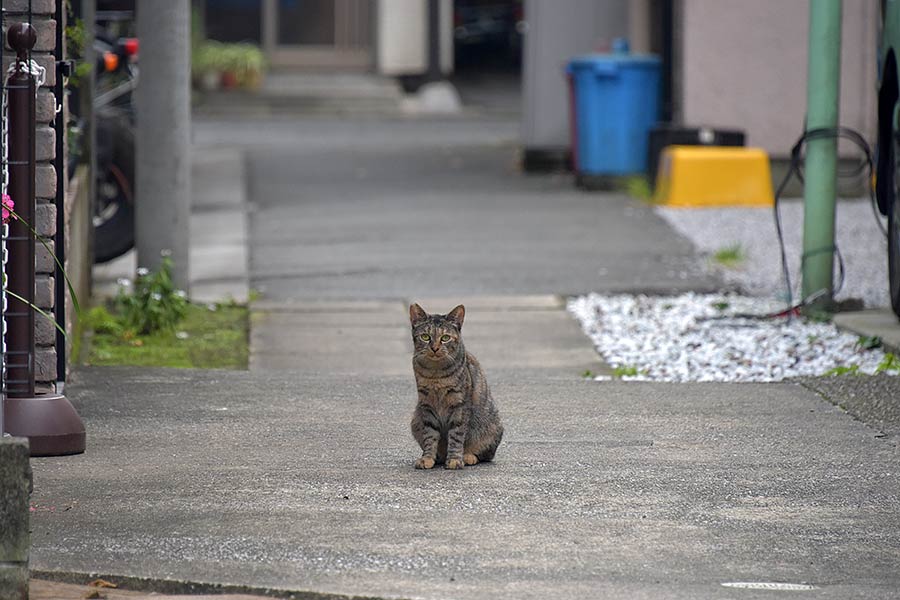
(611, 63)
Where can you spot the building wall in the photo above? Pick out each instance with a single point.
(743, 64)
(553, 37)
(401, 37)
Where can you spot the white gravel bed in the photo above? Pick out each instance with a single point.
(861, 243)
(698, 337)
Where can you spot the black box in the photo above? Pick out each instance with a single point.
(668, 134)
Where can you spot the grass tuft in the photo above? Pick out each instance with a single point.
(730, 256)
(843, 370)
(890, 363)
(207, 338)
(638, 187)
(869, 342)
(626, 371)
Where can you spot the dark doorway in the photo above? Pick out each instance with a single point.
(487, 52)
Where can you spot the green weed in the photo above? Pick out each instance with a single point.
(842, 370)
(626, 371)
(868, 342)
(155, 304)
(205, 338)
(637, 187)
(730, 256)
(890, 362)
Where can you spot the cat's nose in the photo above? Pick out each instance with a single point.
(434, 349)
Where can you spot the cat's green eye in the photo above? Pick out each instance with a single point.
(445, 338)
(425, 337)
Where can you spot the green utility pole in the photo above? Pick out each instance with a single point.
(822, 96)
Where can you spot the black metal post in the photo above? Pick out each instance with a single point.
(49, 421)
(435, 72)
(62, 178)
(21, 164)
(668, 46)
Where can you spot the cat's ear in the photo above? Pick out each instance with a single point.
(416, 314)
(457, 315)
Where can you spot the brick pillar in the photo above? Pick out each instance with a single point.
(15, 484)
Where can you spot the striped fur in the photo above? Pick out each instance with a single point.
(455, 420)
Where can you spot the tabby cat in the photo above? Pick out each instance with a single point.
(455, 420)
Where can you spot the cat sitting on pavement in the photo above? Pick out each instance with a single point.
(455, 421)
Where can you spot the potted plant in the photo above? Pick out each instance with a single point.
(249, 65)
(230, 66)
(207, 65)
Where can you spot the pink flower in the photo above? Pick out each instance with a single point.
(8, 205)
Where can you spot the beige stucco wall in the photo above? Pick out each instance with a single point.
(743, 64)
(558, 31)
(401, 34)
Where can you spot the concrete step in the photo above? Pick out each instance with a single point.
(306, 93)
(503, 332)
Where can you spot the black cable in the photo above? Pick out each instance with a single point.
(784, 264)
(866, 165)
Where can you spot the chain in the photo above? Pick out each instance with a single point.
(4, 156)
(32, 68)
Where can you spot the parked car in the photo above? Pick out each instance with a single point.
(488, 31)
(887, 187)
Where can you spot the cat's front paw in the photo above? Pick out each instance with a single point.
(454, 463)
(426, 462)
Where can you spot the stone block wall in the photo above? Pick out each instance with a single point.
(15, 485)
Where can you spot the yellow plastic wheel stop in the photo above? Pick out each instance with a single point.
(706, 176)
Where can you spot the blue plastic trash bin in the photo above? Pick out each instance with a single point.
(616, 103)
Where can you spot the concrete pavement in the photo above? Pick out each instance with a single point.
(296, 478)
(351, 220)
(355, 209)
(300, 481)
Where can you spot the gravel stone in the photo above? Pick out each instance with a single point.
(708, 337)
(861, 243)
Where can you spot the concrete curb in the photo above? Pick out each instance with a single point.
(297, 335)
(136, 587)
(882, 323)
(15, 487)
(219, 238)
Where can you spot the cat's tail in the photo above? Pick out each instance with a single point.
(487, 454)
